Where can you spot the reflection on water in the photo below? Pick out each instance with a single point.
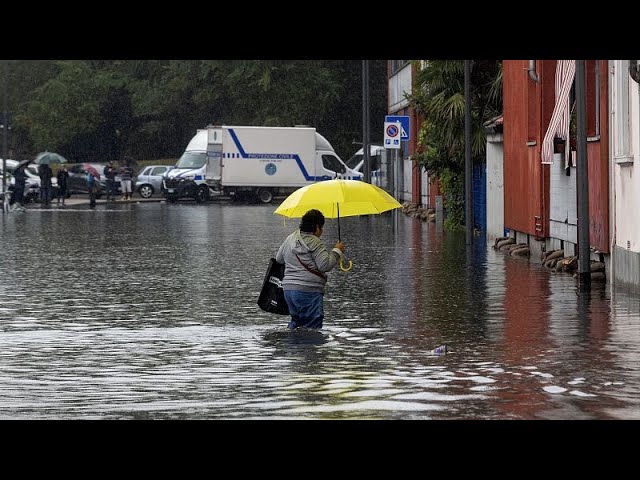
(148, 311)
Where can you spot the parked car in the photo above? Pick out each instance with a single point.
(32, 184)
(149, 180)
(77, 181)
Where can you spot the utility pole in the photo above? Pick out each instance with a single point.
(582, 179)
(5, 123)
(467, 153)
(365, 122)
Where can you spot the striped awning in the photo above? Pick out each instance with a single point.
(559, 124)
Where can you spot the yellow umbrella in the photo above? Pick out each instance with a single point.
(338, 198)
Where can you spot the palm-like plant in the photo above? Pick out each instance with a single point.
(438, 95)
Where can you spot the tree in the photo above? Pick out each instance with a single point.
(77, 113)
(439, 97)
(105, 109)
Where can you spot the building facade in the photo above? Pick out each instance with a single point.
(625, 173)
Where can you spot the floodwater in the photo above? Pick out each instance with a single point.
(148, 311)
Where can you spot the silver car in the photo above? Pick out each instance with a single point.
(149, 180)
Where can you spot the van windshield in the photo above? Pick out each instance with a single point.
(192, 160)
(354, 161)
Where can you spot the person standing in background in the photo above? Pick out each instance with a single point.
(45, 173)
(62, 176)
(110, 174)
(17, 199)
(126, 175)
(92, 188)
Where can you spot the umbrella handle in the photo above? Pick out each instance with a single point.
(343, 268)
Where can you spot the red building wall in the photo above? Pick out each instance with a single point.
(598, 158)
(528, 106)
(525, 196)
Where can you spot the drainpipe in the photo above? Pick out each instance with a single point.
(633, 70)
(532, 71)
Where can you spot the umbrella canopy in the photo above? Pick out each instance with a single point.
(49, 158)
(338, 198)
(91, 170)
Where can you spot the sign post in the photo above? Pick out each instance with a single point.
(405, 124)
(392, 140)
(392, 132)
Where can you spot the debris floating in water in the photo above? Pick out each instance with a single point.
(441, 350)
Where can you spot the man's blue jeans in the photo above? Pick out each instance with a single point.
(306, 308)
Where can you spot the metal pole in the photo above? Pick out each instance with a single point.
(365, 121)
(391, 177)
(396, 173)
(368, 124)
(5, 124)
(582, 178)
(467, 152)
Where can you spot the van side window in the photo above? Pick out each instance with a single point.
(330, 162)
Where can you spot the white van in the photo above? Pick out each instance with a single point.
(356, 162)
(253, 163)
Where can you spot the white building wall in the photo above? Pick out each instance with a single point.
(563, 216)
(625, 148)
(627, 185)
(399, 84)
(405, 195)
(495, 187)
(424, 189)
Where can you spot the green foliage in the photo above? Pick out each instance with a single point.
(452, 186)
(105, 109)
(78, 112)
(438, 95)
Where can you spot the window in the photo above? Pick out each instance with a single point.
(622, 145)
(331, 162)
(192, 160)
(397, 65)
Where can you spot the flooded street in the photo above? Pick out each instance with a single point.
(148, 311)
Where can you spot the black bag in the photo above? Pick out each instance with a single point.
(271, 297)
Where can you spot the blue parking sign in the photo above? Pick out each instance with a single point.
(404, 122)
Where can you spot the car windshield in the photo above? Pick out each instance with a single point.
(192, 160)
(31, 173)
(353, 161)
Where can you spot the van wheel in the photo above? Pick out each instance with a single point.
(202, 194)
(265, 196)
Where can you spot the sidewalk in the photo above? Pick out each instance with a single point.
(83, 199)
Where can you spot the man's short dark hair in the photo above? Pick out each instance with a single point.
(310, 220)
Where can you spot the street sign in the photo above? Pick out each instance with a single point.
(404, 121)
(392, 131)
